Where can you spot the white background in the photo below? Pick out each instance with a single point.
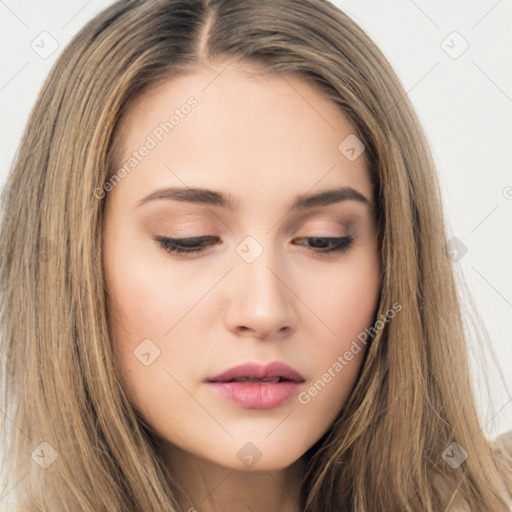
(464, 104)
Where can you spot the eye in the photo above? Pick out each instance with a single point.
(335, 245)
(195, 245)
(185, 245)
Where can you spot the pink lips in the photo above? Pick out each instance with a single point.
(255, 386)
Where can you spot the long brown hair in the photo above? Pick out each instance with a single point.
(72, 440)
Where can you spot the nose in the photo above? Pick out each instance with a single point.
(262, 301)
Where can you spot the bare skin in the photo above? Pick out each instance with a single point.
(264, 141)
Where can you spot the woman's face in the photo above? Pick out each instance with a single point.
(263, 287)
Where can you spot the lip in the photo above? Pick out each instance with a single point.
(258, 371)
(257, 395)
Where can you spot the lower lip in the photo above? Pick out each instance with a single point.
(256, 396)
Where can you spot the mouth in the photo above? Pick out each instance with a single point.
(254, 386)
(273, 380)
(255, 372)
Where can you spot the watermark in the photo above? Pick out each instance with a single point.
(249, 249)
(456, 249)
(146, 352)
(343, 360)
(151, 142)
(45, 45)
(454, 45)
(249, 454)
(44, 455)
(351, 147)
(454, 455)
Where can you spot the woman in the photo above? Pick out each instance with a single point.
(224, 277)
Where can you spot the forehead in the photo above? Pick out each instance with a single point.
(271, 135)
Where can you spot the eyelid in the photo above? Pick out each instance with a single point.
(327, 228)
(187, 247)
(325, 222)
(324, 229)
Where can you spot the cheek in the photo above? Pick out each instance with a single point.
(151, 294)
(150, 335)
(157, 300)
(348, 298)
(346, 303)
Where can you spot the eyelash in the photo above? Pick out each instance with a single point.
(185, 246)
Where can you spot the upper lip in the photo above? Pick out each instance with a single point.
(258, 371)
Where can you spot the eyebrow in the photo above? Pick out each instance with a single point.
(213, 198)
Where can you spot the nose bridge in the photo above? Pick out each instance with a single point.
(262, 301)
(259, 267)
